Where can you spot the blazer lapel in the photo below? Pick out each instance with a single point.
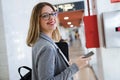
(61, 53)
(51, 41)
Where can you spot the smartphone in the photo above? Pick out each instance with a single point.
(88, 54)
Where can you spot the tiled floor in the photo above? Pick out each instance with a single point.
(84, 74)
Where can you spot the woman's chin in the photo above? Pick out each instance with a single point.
(52, 27)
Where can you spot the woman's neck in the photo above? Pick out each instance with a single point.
(49, 34)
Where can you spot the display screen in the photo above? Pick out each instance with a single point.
(118, 29)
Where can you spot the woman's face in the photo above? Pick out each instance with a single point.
(48, 19)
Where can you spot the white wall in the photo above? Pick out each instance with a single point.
(108, 58)
(4, 75)
(16, 19)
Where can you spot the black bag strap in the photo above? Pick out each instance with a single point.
(25, 68)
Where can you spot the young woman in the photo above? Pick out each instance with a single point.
(48, 62)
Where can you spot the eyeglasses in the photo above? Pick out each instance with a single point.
(46, 16)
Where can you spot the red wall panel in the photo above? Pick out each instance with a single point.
(91, 31)
(114, 1)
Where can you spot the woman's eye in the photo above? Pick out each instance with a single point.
(45, 15)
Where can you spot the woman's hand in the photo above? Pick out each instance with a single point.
(82, 62)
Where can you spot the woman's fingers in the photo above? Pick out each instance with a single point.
(82, 62)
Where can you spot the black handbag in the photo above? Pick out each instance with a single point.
(27, 76)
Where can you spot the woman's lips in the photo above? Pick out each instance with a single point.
(51, 23)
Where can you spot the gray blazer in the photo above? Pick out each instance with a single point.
(49, 63)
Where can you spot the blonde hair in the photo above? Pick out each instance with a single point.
(34, 26)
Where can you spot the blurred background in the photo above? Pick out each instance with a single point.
(73, 16)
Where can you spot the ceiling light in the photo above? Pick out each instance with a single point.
(71, 25)
(68, 6)
(66, 18)
(68, 23)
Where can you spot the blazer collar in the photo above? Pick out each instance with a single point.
(42, 35)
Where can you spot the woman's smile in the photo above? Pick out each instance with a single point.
(51, 23)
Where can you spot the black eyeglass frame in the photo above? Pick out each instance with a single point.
(46, 16)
